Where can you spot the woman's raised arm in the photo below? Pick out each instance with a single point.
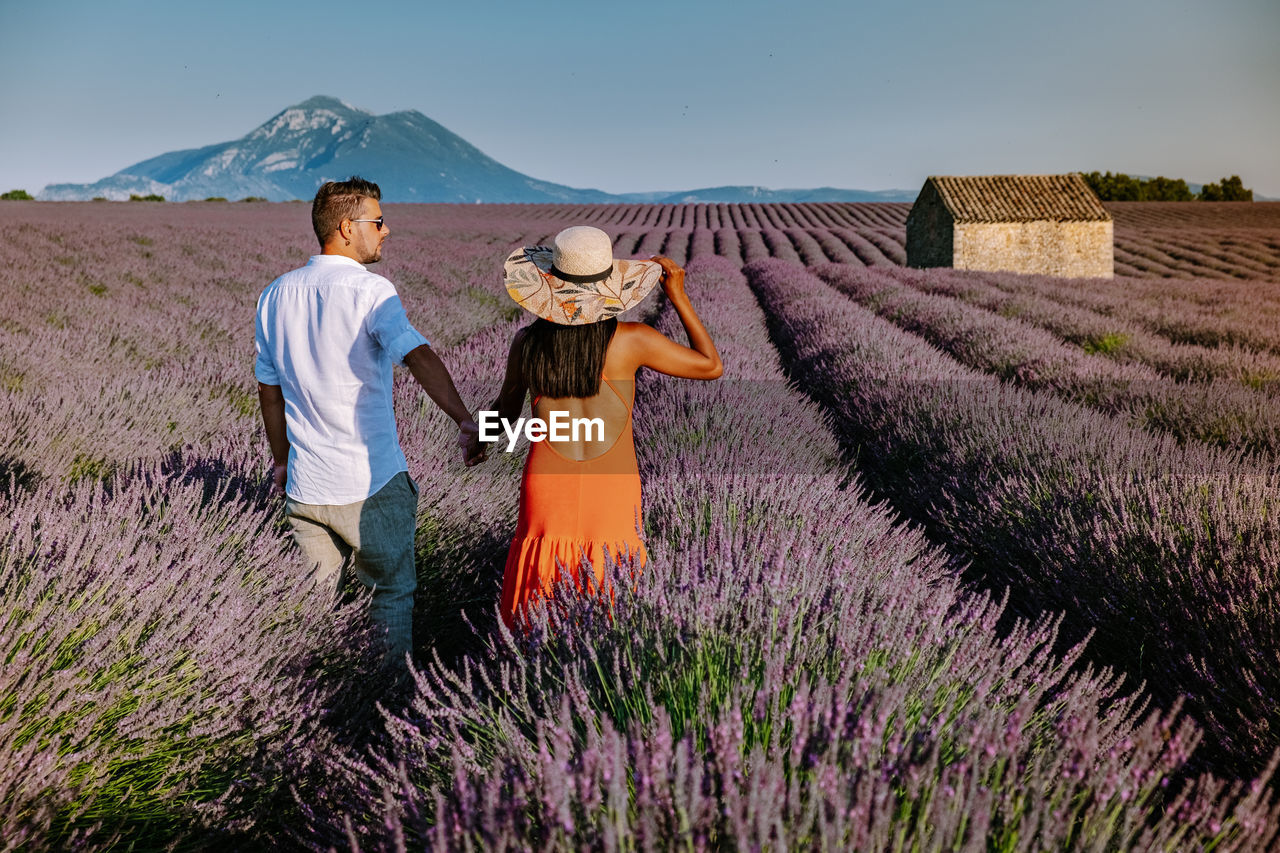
(650, 348)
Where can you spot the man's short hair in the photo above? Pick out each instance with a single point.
(339, 200)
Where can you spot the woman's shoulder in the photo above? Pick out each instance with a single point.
(622, 357)
(634, 330)
(630, 336)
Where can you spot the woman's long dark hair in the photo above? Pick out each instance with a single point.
(565, 361)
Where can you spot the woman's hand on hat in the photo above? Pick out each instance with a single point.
(672, 280)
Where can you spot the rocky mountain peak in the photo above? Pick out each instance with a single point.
(410, 156)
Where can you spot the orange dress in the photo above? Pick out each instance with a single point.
(570, 508)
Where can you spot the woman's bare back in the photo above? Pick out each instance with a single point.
(611, 405)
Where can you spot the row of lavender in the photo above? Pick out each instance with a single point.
(129, 536)
(1198, 240)
(129, 336)
(1201, 240)
(792, 668)
(1208, 314)
(1206, 256)
(1219, 412)
(165, 670)
(1195, 240)
(1114, 328)
(170, 675)
(1195, 216)
(152, 722)
(1137, 256)
(1170, 552)
(712, 216)
(164, 665)
(1225, 324)
(869, 247)
(120, 418)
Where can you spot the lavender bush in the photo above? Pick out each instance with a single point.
(890, 241)
(779, 245)
(867, 252)
(1218, 413)
(792, 667)
(1174, 550)
(1100, 331)
(676, 246)
(1191, 311)
(874, 706)
(808, 247)
(165, 660)
(729, 244)
(1197, 240)
(836, 250)
(117, 349)
(753, 245)
(1181, 255)
(702, 243)
(132, 702)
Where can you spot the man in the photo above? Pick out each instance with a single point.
(327, 336)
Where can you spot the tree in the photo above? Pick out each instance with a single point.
(1121, 187)
(1231, 189)
(16, 195)
(1161, 188)
(147, 197)
(1117, 187)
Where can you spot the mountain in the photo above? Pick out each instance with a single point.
(410, 156)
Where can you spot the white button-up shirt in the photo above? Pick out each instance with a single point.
(328, 335)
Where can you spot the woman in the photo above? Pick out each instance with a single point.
(580, 497)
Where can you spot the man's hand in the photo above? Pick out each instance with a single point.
(473, 452)
(271, 397)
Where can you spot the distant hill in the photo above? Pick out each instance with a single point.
(410, 156)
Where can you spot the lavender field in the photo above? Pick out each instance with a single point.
(947, 560)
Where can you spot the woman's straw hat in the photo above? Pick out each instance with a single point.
(577, 281)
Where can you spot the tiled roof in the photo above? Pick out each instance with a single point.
(1019, 198)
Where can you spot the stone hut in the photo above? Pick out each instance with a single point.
(1043, 224)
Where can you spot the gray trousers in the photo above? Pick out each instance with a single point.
(371, 539)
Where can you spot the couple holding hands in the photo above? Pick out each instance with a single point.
(327, 337)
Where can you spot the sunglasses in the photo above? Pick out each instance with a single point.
(378, 221)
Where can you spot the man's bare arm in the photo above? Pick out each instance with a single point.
(433, 376)
(271, 398)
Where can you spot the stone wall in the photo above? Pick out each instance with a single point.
(929, 231)
(1069, 249)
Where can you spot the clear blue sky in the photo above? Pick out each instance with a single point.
(667, 95)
